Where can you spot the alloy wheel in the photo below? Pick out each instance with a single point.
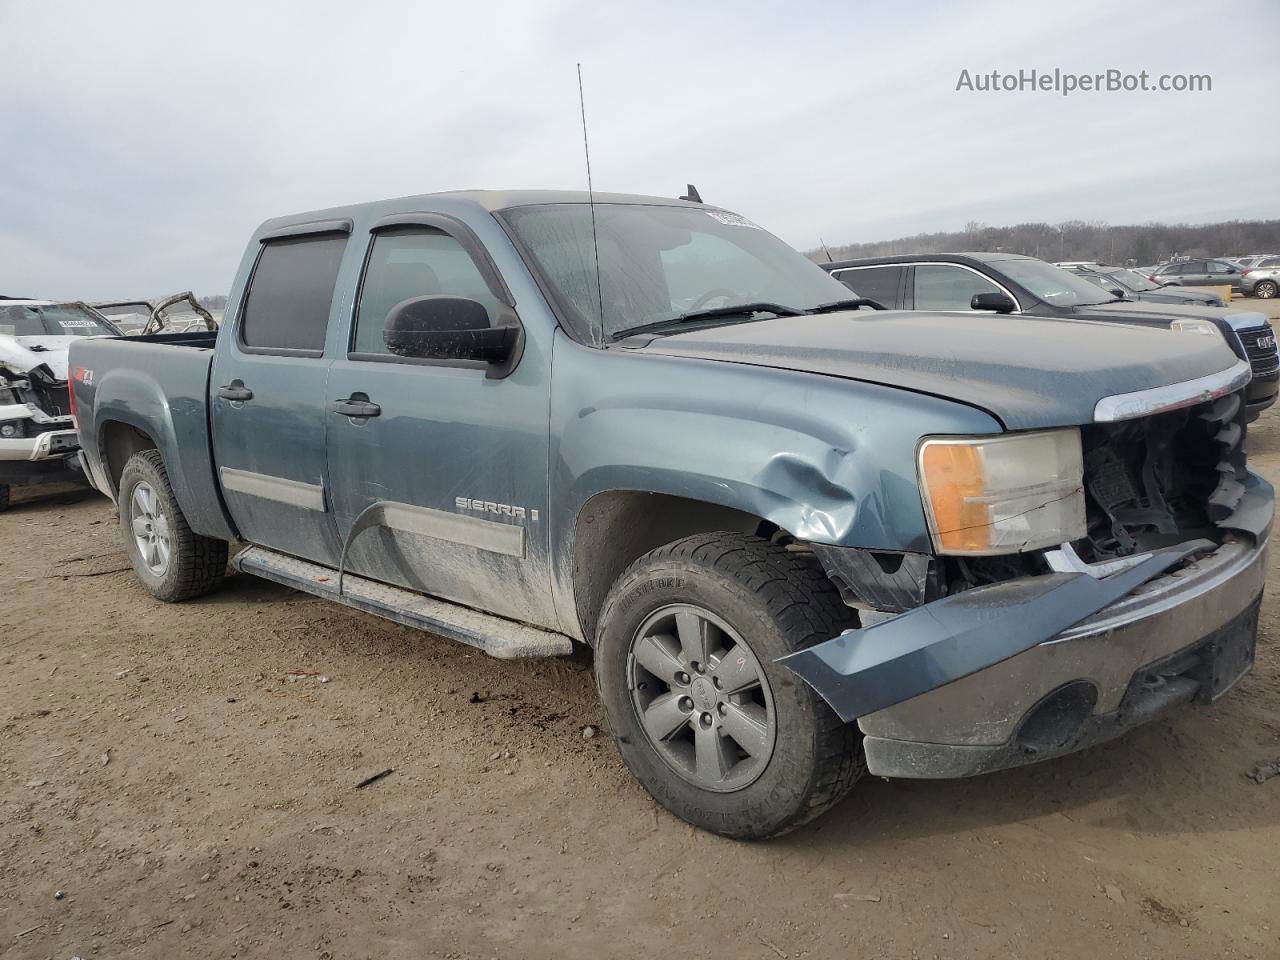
(702, 698)
(150, 528)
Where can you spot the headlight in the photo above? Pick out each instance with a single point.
(1005, 493)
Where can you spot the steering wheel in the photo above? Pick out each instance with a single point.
(711, 295)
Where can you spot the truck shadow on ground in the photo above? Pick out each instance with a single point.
(34, 500)
(1135, 784)
(1154, 780)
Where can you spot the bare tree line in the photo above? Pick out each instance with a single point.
(1136, 244)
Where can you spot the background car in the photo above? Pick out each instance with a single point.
(1134, 286)
(1252, 260)
(1262, 282)
(37, 434)
(1201, 273)
(1013, 284)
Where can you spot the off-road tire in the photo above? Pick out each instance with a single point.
(196, 564)
(779, 601)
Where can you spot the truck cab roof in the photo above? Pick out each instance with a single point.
(486, 201)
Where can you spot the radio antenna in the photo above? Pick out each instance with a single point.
(591, 201)
(830, 259)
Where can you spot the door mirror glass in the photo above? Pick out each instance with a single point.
(997, 301)
(446, 328)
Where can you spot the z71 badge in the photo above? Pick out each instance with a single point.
(499, 509)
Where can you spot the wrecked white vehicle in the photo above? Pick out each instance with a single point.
(37, 437)
(180, 313)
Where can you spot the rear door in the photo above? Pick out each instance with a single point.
(442, 488)
(268, 397)
(881, 283)
(1194, 273)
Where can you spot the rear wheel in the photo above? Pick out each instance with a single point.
(1265, 289)
(4, 496)
(716, 731)
(172, 562)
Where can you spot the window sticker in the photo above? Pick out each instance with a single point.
(730, 219)
(76, 324)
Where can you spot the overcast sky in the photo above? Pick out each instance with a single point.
(143, 141)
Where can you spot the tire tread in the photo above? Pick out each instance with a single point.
(807, 607)
(201, 561)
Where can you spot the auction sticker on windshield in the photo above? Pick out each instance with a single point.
(731, 219)
(74, 324)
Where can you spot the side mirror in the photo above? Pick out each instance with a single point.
(446, 328)
(997, 301)
(1117, 292)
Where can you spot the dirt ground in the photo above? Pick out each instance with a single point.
(169, 787)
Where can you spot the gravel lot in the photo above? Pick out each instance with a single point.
(180, 781)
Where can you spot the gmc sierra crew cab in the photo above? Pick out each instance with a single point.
(805, 540)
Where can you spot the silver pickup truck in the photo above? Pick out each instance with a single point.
(805, 539)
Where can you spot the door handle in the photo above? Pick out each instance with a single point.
(356, 406)
(235, 390)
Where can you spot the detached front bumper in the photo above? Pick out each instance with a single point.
(43, 446)
(37, 457)
(1184, 634)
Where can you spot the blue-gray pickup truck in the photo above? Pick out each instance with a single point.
(806, 539)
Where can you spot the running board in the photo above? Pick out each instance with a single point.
(496, 636)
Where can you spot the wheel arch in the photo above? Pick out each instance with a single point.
(615, 528)
(117, 442)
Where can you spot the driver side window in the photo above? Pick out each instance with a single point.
(944, 287)
(407, 262)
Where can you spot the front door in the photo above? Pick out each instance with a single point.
(442, 488)
(269, 389)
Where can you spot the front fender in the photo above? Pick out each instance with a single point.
(828, 460)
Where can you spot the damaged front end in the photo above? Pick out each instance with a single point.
(968, 663)
(37, 432)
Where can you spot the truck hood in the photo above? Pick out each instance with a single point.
(1028, 372)
(1147, 312)
(23, 354)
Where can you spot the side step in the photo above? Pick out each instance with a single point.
(496, 636)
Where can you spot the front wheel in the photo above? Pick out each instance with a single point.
(172, 562)
(703, 717)
(1265, 289)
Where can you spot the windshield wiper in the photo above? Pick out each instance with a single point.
(733, 310)
(852, 304)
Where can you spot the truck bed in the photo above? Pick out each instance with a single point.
(158, 386)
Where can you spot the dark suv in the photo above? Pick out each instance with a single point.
(1014, 284)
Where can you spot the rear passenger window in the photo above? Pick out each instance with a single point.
(875, 283)
(287, 306)
(408, 262)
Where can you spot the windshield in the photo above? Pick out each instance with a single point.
(52, 320)
(1133, 281)
(1053, 285)
(659, 262)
